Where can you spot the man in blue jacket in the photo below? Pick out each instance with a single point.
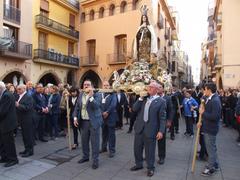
(110, 117)
(87, 114)
(211, 115)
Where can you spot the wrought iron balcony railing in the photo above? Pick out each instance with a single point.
(118, 58)
(56, 26)
(55, 57)
(89, 60)
(11, 14)
(15, 49)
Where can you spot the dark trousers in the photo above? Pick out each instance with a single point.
(162, 147)
(108, 136)
(75, 132)
(203, 150)
(189, 125)
(229, 117)
(39, 121)
(7, 146)
(27, 134)
(120, 117)
(54, 125)
(140, 142)
(133, 116)
(88, 133)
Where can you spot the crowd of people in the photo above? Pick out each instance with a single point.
(41, 114)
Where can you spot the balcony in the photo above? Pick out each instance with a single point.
(181, 69)
(52, 26)
(89, 61)
(49, 57)
(115, 59)
(11, 14)
(160, 22)
(72, 5)
(15, 49)
(217, 62)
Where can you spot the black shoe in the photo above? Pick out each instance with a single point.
(3, 160)
(28, 153)
(129, 132)
(22, 152)
(111, 155)
(11, 163)
(150, 173)
(135, 168)
(43, 140)
(83, 161)
(177, 132)
(95, 165)
(161, 161)
(103, 151)
(172, 137)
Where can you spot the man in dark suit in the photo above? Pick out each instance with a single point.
(121, 102)
(149, 127)
(24, 106)
(88, 116)
(132, 99)
(169, 113)
(109, 113)
(41, 109)
(8, 122)
(211, 115)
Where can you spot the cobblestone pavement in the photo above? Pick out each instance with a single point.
(52, 160)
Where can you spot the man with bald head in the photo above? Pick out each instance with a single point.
(24, 106)
(149, 127)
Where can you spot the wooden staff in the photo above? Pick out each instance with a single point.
(179, 109)
(197, 138)
(68, 124)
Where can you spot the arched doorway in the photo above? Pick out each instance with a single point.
(49, 78)
(91, 75)
(120, 71)
(15, 78)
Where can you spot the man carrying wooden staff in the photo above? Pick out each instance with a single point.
(211, 115)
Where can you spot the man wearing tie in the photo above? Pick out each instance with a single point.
(109, 113)
(87, 114)
(149, 127)
(24, 107)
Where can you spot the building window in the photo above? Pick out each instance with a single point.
(91, 14)
(42, 41)
(120, 47)
(173, 66)
(10, 31)
(44, 5)
(111, 10)
(83, 17)
(101, 12)
(70, 48)
(123, 7)
(135, 4)
(91, 48)
(72, 21)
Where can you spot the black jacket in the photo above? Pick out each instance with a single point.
(25, 109)
(212, 115)
(8, 116)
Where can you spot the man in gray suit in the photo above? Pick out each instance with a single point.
(87, 114)
(149, 127)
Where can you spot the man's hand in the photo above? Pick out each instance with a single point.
(16, 104)
(159, 136)
(169, 123)
(105, 115)
(75, 122)
(199, 125)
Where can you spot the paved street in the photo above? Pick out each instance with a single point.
(52, 161)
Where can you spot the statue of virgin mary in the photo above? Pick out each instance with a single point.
(145, 43)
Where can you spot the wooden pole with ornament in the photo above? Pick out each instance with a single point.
(197, 138)
(68, 120)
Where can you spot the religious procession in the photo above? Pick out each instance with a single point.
(142, 122)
